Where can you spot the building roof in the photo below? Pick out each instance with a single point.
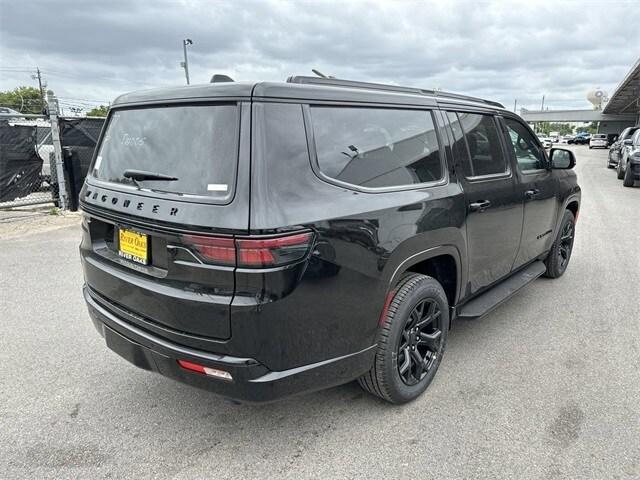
(626, 98)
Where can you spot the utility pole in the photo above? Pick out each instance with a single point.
(515, 105)
(39, 77)
(185, 64)
(57, 150)
(542, 107)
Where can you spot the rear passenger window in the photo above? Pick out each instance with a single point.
(459, 146)
(483, 142)
(528, 153)
(376, 147)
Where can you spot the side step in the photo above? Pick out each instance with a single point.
(489, 300)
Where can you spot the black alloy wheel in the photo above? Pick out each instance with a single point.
(411, 341)
(419, 345)
(558, 258)
(566, 244)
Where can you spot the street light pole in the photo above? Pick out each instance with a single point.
(185, 64)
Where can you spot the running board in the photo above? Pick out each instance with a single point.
(489, 300)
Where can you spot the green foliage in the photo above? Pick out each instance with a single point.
(22, 99)
(100, 111)
(591, 128)
(562, 128)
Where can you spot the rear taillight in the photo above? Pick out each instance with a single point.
(252, 251)
(220, 250)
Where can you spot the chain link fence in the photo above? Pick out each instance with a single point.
(25, 163)
(30, 166)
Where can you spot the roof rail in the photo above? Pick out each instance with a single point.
(336, 82)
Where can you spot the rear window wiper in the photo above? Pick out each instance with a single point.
(146, 175)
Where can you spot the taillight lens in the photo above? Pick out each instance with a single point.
(263, 252)
(219, 250)
(252, 251)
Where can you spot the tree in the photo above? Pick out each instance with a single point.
(589, 128)
(22, 99)
(100, 111)
(561, 128)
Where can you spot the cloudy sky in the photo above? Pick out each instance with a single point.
(92, 51)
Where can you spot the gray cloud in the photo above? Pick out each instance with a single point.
(499, 50)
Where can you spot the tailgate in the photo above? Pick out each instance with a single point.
(136, 248)
(173, 288)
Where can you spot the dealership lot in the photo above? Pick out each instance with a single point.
(548, 385)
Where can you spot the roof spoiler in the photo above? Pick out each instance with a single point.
(220, 78)
(336, 82)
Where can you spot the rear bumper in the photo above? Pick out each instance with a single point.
(252, 381)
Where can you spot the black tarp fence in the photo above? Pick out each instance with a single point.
(78, 137)
(20, 165)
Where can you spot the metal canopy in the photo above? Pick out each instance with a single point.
(626, 98)
(573, 116)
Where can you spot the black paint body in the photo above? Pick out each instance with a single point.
(312, 324)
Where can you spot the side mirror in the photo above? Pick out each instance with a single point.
(628, 141)
(562, 159)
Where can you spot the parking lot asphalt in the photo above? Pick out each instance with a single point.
(546, 386)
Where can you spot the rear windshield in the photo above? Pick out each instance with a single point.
(600, 136)
(195, 144)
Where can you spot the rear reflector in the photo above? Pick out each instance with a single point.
(252, 251)
(212, 372)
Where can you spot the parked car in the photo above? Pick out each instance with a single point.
(629, 165)
(313, 232)
(617, 149)
(580, 139)
(546, 141)
(566, 138)
(554, 137)
(598, 140)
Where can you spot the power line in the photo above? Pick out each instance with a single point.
(85, 100)
(17, 69)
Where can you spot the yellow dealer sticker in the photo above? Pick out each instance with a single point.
(133, 246)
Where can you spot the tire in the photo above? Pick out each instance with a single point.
(629, 178)
(590, 147)
(558, 258)
(619, 171)
(417, 300)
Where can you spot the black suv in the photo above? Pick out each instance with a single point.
(264, 239)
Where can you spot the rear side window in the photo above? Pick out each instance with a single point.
(376, 147)
(196, 144)
(483, 142)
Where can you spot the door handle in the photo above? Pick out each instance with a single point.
(479, 206)
(531, 193)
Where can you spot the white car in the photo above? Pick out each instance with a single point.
(545, 141)
(598, 140)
